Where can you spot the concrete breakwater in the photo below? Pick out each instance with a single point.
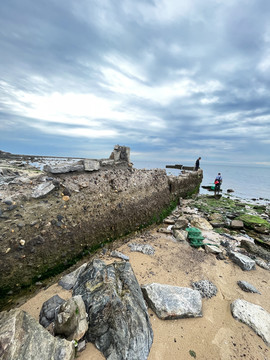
(50, 218)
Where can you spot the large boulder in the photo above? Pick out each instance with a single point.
(71, 319)
(22, 337)
(119, 323)
(173, 302)
(254, 316)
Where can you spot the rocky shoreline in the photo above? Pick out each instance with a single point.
(51, 217)
(208, 302)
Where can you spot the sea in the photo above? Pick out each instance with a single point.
(249, 183)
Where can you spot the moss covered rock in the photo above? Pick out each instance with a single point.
(256, 223)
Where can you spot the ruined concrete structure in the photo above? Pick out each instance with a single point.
(84, 206)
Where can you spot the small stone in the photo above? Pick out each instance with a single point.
(65, 198)
(22, 242)
(245, 286)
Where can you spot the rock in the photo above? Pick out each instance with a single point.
(107, 162)
(180, 235)
(200, 223)
(50, 310)
(217, 224)
(71, 319)
(22, 337)
(256, 223)
(145, 249)
(216, 217)
(254, 316)
(173, 302)
(169, 221)
(119, 255)
(205, 287)
(43, 190)
(164, 231)
(91, 165)
(69, 280)
(180, 224)
(245, 286)
(212, 248)
(262, 264)
(255, 249)
(121, 153)
(119, 323)
(237, 224)
(245, 262)
(81, 346)
(230, 190)
(63, 168)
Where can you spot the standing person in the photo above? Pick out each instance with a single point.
(197, 164)
(218, 182)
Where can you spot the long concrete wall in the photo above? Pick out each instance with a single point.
(84, 209)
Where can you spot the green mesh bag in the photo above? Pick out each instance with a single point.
(195, 237)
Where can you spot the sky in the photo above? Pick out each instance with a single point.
(171, 79)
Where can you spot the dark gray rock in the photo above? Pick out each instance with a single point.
(245, 286)
(23, 338)
(205, 287)
(49, 310)
(245, 262)
(254, 316)
(173, 302)
(119, 323)
(69, 280)
(145, 249)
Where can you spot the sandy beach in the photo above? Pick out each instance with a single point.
(216, 335)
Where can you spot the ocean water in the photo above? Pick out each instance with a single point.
(248, 182)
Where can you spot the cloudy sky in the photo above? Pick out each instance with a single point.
(172, 79)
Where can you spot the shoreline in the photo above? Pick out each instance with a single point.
(217, 335)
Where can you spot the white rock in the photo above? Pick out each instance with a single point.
(254, 316)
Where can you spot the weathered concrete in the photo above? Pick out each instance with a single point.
(81, 212)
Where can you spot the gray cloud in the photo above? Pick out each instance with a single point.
(167, 78)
